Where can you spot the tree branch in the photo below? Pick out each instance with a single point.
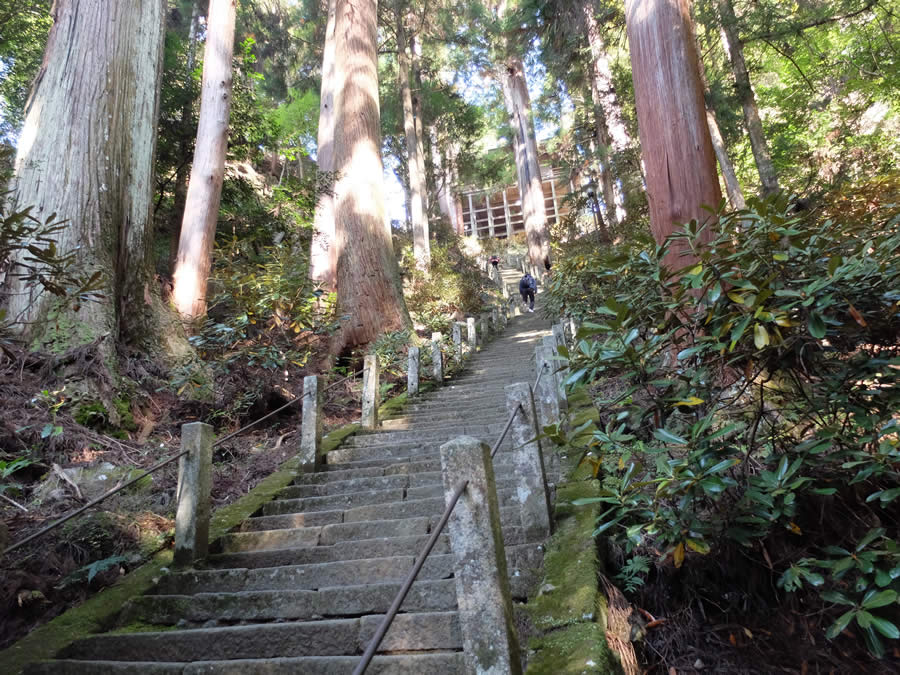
(765, 37)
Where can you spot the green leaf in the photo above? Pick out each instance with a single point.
(870, 536)
(668, 437)
(833, 263)
(837, 597)
(816, 325)
(886, 628)
(879, 599)
(863, 618)
(838, 626)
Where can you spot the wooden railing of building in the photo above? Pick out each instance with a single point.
(499, 213)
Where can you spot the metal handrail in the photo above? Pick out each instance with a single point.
(156, 467)
(391, 614)
(509, 422)
(375, 642)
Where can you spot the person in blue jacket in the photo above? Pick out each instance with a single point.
(527, 287)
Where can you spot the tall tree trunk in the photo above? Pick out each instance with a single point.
(201, 212)
(184, 144)
(604, 152)
(677, 151)
(421, 155)
(93, 168)
(528, 168)
(370, 295)
(322, 259)
(732, 186)
(604, 91)
(442, 179)
(735, 49)
(418, 216)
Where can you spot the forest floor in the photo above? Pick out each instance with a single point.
(57, 440)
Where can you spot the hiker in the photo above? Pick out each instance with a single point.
(495, 261)
(527, 287)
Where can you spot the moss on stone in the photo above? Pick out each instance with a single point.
(93, 616)
(574, 650)
(570, 564)
(570, 609)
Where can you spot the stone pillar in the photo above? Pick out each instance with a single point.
(549, 343)
(457, 342)
(437, 358)
(559, 333)
(483, 328)
(546, 398)
(482, 582)
(573, 328)
(528, 463)
(495, 319)
(471, 336)
(311, 424)
(369, 419)
(412, 372)
(192, 499)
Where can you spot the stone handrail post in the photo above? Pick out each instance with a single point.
(311, 424)
(545, 394)
(369, 419)
(471, 335)
(192, 511)
(482, 329)
(495, 319)
(528, 464)
(437, 358)
(559, 332)
(556, 375)
(412, 372)
(486, 615)
(457, 342)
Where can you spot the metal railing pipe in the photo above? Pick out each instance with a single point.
(375, 642)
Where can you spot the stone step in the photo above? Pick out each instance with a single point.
(428, 422)
(408, 451)
(302, 577)
(335, 487)
(327, 535)
(325, 603)
(410, 632)
(353, 549)
(424, 461)
(437, 434)
(331, 502)
(346, 550)
(432, 663)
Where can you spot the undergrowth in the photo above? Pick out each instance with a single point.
(752, 447)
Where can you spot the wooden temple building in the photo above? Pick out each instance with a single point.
(498, 213)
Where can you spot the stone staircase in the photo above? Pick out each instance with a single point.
(302, 585)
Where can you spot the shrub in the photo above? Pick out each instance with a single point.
(759, 391)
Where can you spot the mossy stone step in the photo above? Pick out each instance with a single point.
(422, 631)
(302, 577)
(433, 663)
(355, 549)
(324, 603)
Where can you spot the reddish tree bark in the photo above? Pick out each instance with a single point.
(675, 144)
(370, 296)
